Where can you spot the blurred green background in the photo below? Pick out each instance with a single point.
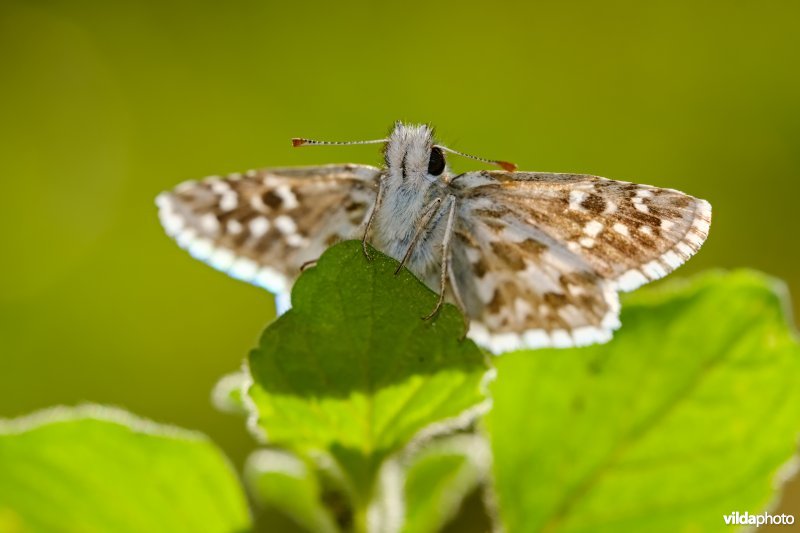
(104, 104)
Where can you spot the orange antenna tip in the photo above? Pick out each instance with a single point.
(298, 142)
(505, 165)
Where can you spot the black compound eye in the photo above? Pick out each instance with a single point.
(436, 162)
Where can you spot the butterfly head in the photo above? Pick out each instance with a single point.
(411, 154)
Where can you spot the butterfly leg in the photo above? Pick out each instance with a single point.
(461, 306)
(448, 234)
(427, 215)
(378, 202)
(308, 264)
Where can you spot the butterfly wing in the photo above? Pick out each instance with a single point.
(263, 225)
(548, 252)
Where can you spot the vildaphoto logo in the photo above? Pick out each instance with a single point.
(746, 519)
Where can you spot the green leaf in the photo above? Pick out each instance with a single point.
(686, 416)
(352, 369)
(228, 393)
(282, 480)
(439, 477)
(99, 469)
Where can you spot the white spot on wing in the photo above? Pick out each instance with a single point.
(654, 270)
(632, 279)
(622, 229)
(164, 200)
(185, 237)
(593, 228)
(259, 226)
(221, 260)
(672, 259)
(575, 290)
(522, 307)
(209, 223)
(220, 187)
(172, 222)
(243, 269)
(234, 226)
(504, 342)
(228, 201)
(285, 225)
(536, 338)
(684, 250)
(561, 338)
(289, 200)
(587, 335)
(200, 249)
(296, 241)
(575, 199)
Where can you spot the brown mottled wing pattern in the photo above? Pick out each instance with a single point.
(261, 226)
(542, 256)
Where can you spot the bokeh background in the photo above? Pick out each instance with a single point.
(104, 104)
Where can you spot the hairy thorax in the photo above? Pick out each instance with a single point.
(398, 220)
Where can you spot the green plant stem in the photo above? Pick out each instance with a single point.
(360, 518)
(362, 471)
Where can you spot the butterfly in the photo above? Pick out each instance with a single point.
(532, 259)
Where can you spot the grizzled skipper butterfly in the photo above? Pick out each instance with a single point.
(532, 259)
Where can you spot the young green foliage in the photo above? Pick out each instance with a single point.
(228, 393)
(100, 469)
(687, 415)
(352, 370)
(439, 477)
(284, 481)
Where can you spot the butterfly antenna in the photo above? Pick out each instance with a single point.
(505, 165)
(297, 141)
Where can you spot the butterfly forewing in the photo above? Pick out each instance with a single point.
(262, 226)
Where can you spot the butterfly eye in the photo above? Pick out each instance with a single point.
(436, 162)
